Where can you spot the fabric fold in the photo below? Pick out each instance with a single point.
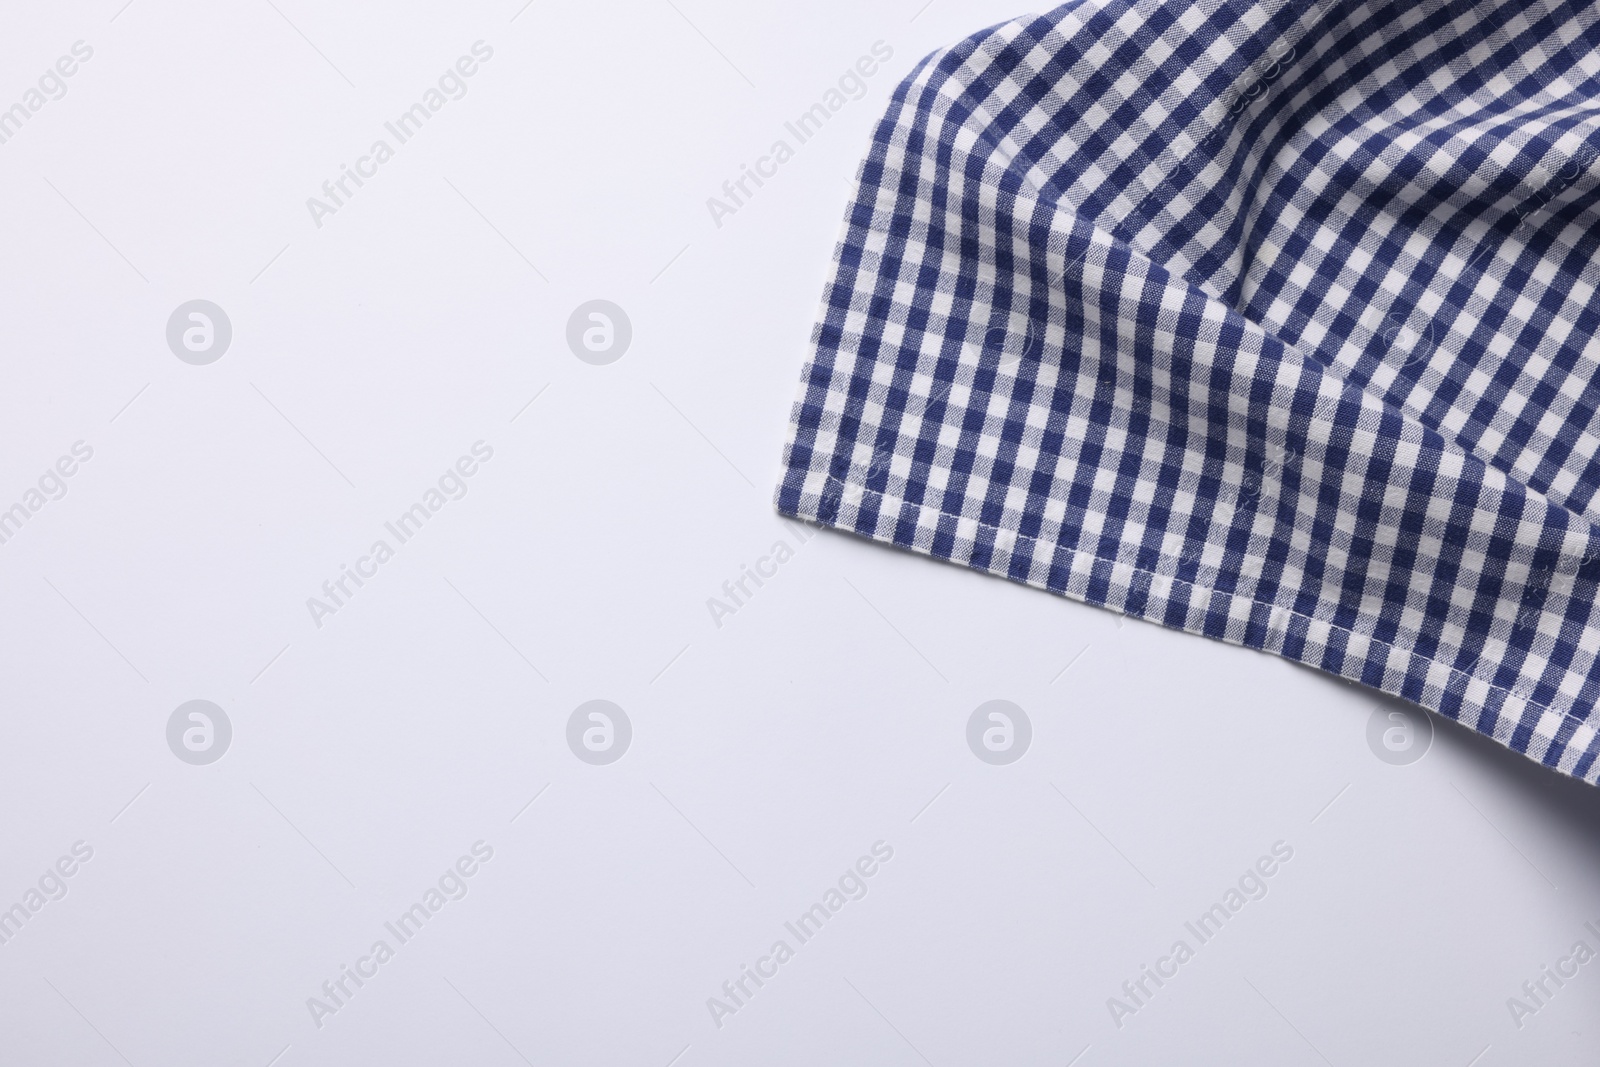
(1154, 306)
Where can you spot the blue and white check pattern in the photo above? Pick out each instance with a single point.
(1273, 323)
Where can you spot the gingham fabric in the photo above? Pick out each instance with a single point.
(1273, 323)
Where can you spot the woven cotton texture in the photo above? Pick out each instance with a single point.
(1272, 323)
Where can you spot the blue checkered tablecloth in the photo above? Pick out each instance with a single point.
(1275, 323)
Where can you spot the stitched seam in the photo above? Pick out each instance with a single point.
(1509, 695)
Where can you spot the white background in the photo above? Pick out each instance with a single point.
(768, 753)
